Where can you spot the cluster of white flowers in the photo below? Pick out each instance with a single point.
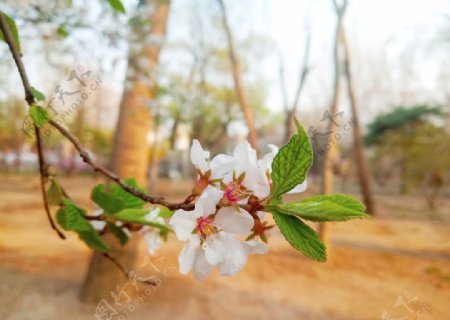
(219, 231)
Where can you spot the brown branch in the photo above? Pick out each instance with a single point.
(30, 100)
(94, 218)
(17, 58)
(185, 204)
(43, 177)
(111, 175)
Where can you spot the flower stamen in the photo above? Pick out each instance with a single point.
(206, 227)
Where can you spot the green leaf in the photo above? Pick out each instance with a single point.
(93, 240)
(108, 202)
(13, 29)
(62, 31)
(300, 236)
(39, 115)
(336, 207)
(39, 96)
(54, 194)
(116, 198)
(71, 217)
(290, 166)
(117, 5)
(131, 200)
(118, 232)
(139, 216)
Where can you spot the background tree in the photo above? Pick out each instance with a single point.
(331, 150)
(363, 173)
(130, 154)
(238, 83)
(414, 145)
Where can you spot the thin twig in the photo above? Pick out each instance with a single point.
(30, 100)
(43, 177)
(17, 58)
(125, 272)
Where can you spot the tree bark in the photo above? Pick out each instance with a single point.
(238, 84)
(331, 146)
(130, 159)
(363, 176)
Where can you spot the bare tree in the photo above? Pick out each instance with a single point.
(363, 176)
(130, 157)
(331, 150)
(237, 77)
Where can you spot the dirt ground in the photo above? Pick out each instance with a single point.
(393, 267)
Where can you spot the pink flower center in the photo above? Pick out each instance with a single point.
(234, 192)
(206, 227)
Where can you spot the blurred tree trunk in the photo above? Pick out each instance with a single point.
(130, 157)
(363, 175)
(154, 157)
(331, 146)
(238, 84)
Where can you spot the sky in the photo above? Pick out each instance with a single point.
(379, 32)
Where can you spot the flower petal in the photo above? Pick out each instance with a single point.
(206, 203)
(245, 155)
(152, 240)
(299, 188)
(215, 250)
(202, 268)
(153, 216)
(266, 162)
(255, 247)
(183, 223)
(98, 225)
(189, 253)
(231, 221)
(236, 257)
(256, 180)
(221, 165)
(199, 156)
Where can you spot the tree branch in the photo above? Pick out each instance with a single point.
(125, 272)
(30, 100)
(84, 154)
(43, 178)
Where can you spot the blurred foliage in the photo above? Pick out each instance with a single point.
(98, 140)
(398, 118)
(12, 114)
(413, 144)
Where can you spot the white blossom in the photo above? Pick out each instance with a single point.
(211, 236)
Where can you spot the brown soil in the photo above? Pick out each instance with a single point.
(372, 265)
